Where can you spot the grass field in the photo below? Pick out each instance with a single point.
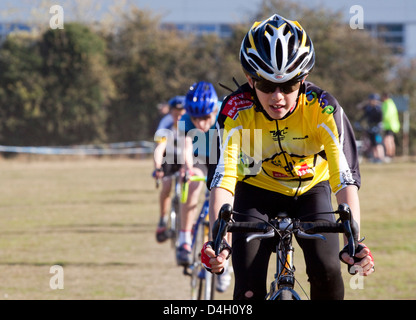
(96, 218)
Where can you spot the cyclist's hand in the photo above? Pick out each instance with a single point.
(186, 173)
(212, 263)
(365, 259)
(158, 174)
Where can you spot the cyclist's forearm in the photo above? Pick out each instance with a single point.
(349, 195)
(218, 197)
(158, 155)
(188, 154)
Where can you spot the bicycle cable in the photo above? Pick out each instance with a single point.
(283, 263)
(303, 290)
(258, 218)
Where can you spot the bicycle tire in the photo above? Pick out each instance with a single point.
(174, 223)
(197, 272)
(286, 295)
(209, 279)
(202, 281)
(177, 221)
(209, 286)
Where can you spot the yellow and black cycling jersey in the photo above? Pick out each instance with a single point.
(314, 143)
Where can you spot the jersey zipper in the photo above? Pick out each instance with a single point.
(289, 165)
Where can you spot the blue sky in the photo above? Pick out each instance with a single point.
(191, 11)
(170, 10)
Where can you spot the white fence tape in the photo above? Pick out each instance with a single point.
(130, 147)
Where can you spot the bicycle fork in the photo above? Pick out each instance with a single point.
(284, 278)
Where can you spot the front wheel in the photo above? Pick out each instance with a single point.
(174, 224)
(286, 294)
(202, 281)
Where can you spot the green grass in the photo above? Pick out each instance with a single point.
(97, 218)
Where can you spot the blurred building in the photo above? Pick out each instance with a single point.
(221, 29)
(8, 27)
(394, 22)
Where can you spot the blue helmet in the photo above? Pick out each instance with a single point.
(201, 99)
(177, 102)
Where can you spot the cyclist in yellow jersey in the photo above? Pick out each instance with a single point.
(284, 144)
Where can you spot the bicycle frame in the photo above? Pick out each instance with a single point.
(203, 214)
(202, 217)
(284, 278)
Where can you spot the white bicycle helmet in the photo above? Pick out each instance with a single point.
(277, 50)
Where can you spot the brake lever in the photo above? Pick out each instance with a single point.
(350, 237)
(269, 234)
(346, 218)
(304, 235)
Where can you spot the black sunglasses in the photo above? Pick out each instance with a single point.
(206, 117)
(267, 86)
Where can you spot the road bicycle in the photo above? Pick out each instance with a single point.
(202, 282)
(282, 228)
(173, 224)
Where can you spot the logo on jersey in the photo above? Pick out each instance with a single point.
(216, 180)
(347, 177)
(237, 103)
(279, 134)
(304, 169)
(312, 97)
(278, 175)
(301, 138)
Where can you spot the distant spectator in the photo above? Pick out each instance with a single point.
(374, 117)
(391, 125)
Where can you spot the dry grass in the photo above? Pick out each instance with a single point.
(97, 217)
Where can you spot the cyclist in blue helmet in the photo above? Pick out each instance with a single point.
(201, 105)
(201, 99)
(163, 170)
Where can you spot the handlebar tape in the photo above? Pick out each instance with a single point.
(248, 227)
(322, 226)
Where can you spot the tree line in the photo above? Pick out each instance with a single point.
(85, 84)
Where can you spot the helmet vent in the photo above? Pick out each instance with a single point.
(290, 47)
(286, 30)
(260, 63)
(279, 54)
(247, 43)
(253, 65)
(266, 46)
(297, 62)
(269, 30)
(308, 42)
